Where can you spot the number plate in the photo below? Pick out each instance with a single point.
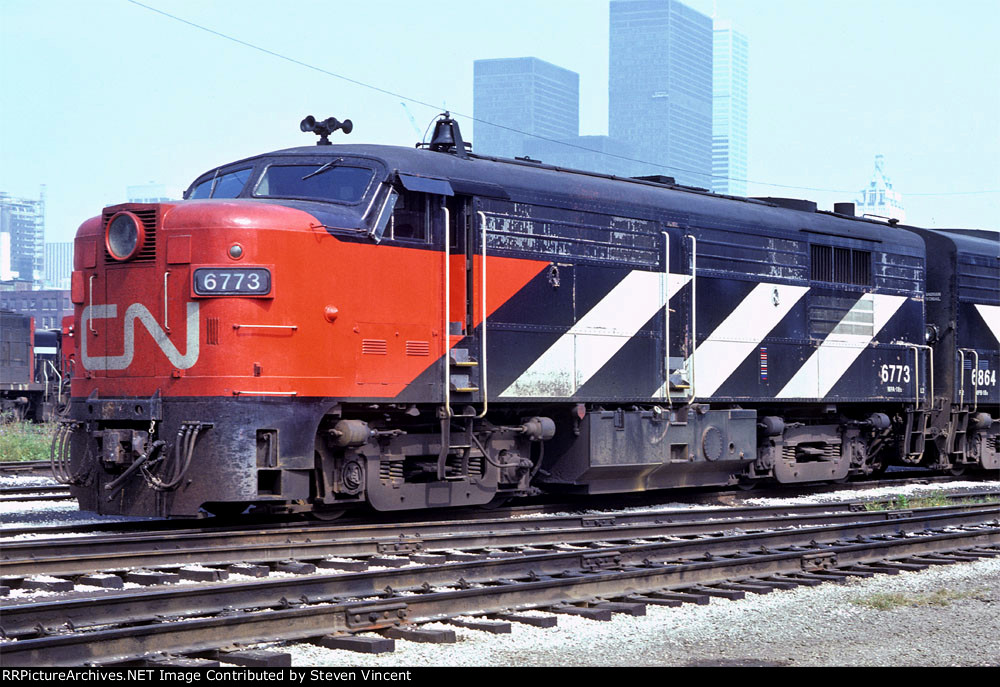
(235, 281)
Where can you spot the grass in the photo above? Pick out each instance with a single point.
(938, 498)
(942, 597)
(25, 440)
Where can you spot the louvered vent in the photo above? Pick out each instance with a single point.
(149, 218)
(212, 331)
(374, 347)
(419, 348)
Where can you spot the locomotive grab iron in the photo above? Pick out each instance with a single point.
(322, 327)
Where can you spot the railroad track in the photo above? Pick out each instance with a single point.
(38, 493)
(26, 467)
(595, 577)
(711, 496)
(261, 545)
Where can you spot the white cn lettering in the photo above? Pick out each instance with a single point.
(137, 311)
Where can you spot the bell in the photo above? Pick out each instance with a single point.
(447, 137)
(443, 138)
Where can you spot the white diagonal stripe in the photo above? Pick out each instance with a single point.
(841, 348)
(587, 347)
(718, 356)
(991, 313)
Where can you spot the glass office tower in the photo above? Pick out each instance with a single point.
(660, 91)
(729, 121)
(526, 94)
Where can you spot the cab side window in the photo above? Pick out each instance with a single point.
(409, 219)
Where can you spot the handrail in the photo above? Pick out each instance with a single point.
(58, 376)
(166, 327)
(446, 333)
(237, 392)
(90, 320)
(975, 379)
(666, 317)
(482, 375)
(916, 357)
(694, 311)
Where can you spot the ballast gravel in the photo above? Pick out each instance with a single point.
(827, 625)
(808, 626)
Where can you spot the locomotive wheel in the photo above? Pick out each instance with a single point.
(958, 469)
(327, 514)
(498, 501)
(747, 484)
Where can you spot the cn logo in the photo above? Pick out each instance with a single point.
(138, 311)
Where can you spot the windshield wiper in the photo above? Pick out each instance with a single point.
(322, 169)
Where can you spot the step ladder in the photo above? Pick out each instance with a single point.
(957, 437)
(462, 447)
(462, 373)
(915, 435)
(462, 367)
(918, 418)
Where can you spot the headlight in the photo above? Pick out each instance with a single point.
(125, 236)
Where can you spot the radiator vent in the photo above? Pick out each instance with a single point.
(212, 331)
(374, 347)
(420, 348)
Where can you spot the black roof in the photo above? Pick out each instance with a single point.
(534, 182)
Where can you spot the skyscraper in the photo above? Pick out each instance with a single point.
(526, 94)
(58, 264)
(23, 221)
(729, 110)
(879, 198)
(660, 91)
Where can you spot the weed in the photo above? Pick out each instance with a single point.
(25, 440)
(942, 597)
(903, 502)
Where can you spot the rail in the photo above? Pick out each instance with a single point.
(545, 580)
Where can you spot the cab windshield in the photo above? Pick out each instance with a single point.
(317, 181)
(227, 185)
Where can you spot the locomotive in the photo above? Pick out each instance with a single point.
(324, 327)
(35, 368)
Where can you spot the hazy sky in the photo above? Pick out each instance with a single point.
(104, 94)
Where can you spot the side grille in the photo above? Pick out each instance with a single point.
(212, 331)
(374, 347)
(390, 471)
(150, 220)
(418, 348)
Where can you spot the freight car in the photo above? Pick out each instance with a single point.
(34, 377)
(328, 326)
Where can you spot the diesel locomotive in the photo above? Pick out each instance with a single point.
(328, 326)
(36, 367)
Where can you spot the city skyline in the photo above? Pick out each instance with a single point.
(534, 96)
(660, 85)
(730, 108)
(814, 127)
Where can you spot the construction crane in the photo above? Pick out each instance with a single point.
(413, 122)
